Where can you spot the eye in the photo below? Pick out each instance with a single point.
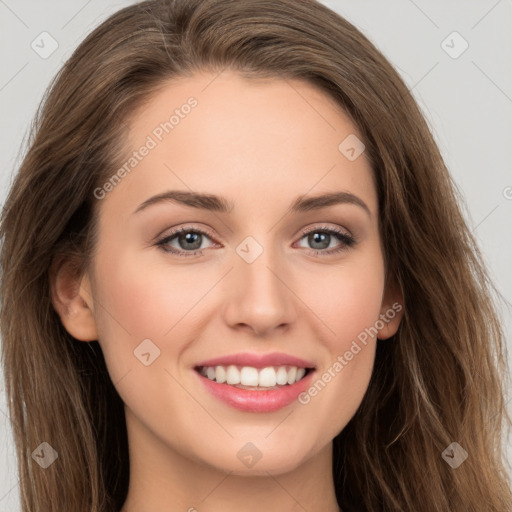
(321, 238)
(190, 241)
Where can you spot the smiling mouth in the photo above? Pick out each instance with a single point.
(251, 378)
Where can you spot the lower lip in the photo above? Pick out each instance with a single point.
(257, 401)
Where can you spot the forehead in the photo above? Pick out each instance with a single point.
(251, 140)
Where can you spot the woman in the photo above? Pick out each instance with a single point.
(253, 369)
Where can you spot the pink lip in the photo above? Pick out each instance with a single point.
(258, 360)
(253, 400)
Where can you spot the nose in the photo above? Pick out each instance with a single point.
(260, 299)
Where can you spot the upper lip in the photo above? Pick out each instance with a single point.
(257, 360)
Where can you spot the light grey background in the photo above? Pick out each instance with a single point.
(467, 101)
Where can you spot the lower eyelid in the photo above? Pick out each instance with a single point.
(345, 240)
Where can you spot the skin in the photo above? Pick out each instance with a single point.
(260, 144)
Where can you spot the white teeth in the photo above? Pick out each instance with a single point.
(220, 374)
(292, 373)
(249, 376)
(232, 375)
(267, 377)
(282, 376)
(256, 377)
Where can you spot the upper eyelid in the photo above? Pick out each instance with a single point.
(212, 236)
(312, 229)
(207, 232)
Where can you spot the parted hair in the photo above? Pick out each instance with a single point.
(439, 379)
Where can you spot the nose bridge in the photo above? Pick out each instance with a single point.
(258, 267)
(259, 297)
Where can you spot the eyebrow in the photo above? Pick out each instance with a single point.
(219, 204)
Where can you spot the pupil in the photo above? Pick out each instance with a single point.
(189, 237)
(314, 238)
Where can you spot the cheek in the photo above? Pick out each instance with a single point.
(146, 297)
(348, 305)
(135, 302)
(348, 298)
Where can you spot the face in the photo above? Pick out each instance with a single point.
(259, 292)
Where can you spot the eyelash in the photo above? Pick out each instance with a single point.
(347, 241)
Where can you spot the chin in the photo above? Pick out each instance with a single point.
(248, 460)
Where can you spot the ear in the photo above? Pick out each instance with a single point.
(392, 309)
(72, 299)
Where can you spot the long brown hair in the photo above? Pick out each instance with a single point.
(439, 380)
